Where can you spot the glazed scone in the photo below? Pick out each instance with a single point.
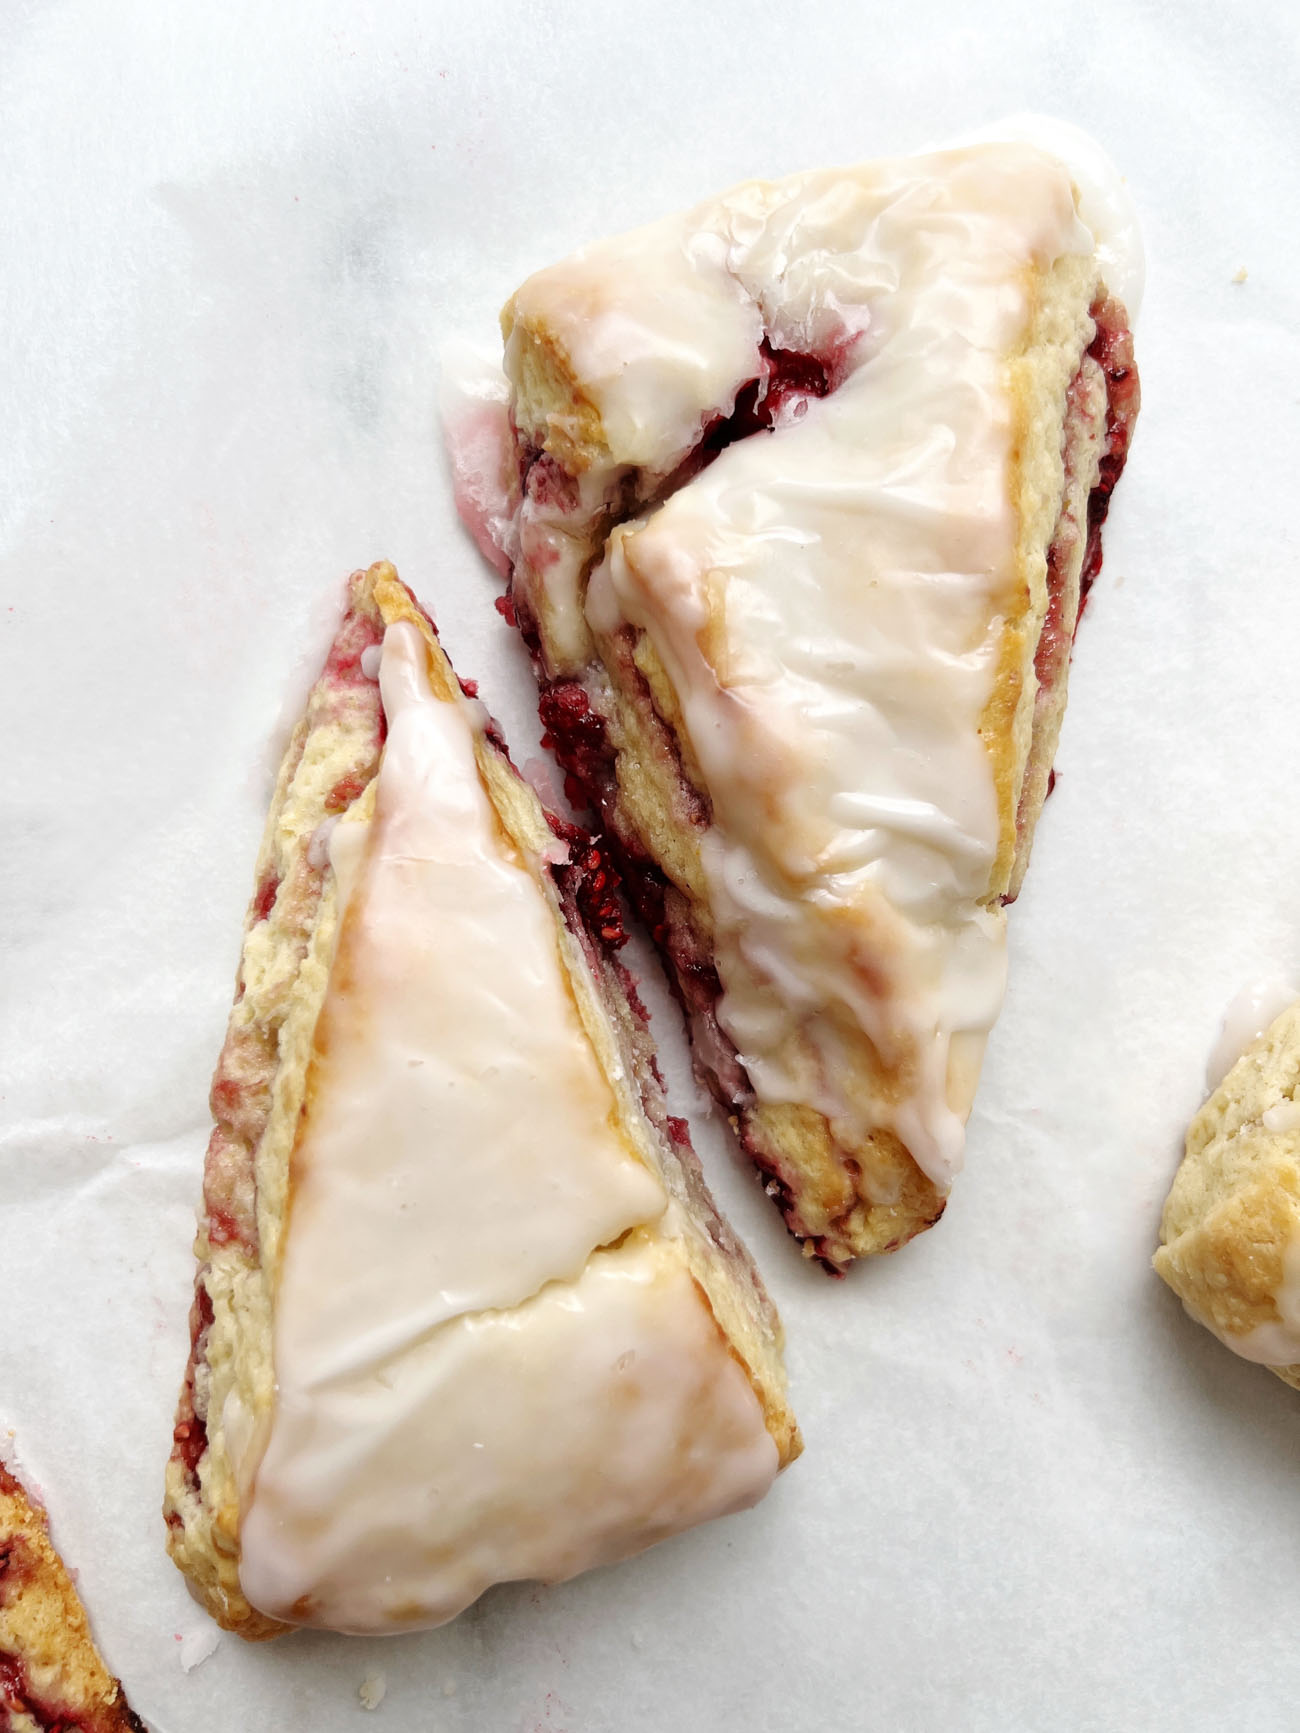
(51, 1674)
(465, 1312)
(1230, 1234)
(808, 486)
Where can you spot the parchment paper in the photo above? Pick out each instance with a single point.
(1034, 1495)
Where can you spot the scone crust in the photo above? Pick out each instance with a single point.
(257, 1095)
(49, 1665)
(1232, 1216)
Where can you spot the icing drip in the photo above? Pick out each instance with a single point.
(1258, 1004)
(1276, 1343)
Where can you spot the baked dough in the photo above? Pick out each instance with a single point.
(465, 1311)
(810, 489)
(51, 1673)
(1230, 1233)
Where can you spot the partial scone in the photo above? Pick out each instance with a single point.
(1231, 1228)
(51, 1674)
(810, 490)
(465, 1311)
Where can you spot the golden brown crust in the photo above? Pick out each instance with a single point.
(256, 1098)
(1231, 1222)
(565, 421)
(1040, 378)
(1227, 1268)
(51, 1673)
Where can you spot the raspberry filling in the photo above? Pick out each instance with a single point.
(779, 392)
(18, 1567)
(1112, 349)
(17, 1698)
(576, 732)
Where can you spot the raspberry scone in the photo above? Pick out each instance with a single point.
(1230, 1235)
(52, 1677)
(465, 1312)
(808, 487)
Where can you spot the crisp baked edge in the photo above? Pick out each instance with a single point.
(1233, 1209)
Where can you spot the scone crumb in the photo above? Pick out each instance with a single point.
(197, 1645)
(449, 1687)
(372, 1690)
(1240, 275)
(1284, 1115)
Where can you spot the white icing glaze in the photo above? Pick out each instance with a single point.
(658, 363)
(599, 1417)
(475, 408)
(476, 714)
(1105, 203)
(826, 601)
(707, 362)
(1258, 1004)
(452, 1407)
(318, 849)
(345, 848)
(1282, 1116)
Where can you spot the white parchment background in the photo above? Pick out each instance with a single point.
(234, 237)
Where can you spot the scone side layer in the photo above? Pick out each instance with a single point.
(256, 1097)
(1043, 379)
(1230, 1229)
(1101, 408)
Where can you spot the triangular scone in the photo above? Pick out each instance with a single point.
(465, 1311)
(808, 488)
(51, 1673)
(1230, 1234)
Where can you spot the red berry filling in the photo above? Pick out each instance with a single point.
(17, 1698)
(1112, 349)
(576, 732)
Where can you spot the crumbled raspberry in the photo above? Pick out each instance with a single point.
(264, 899)
(347, 789)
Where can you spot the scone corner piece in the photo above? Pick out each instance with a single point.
(51, 1673)
(1230, 1228)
